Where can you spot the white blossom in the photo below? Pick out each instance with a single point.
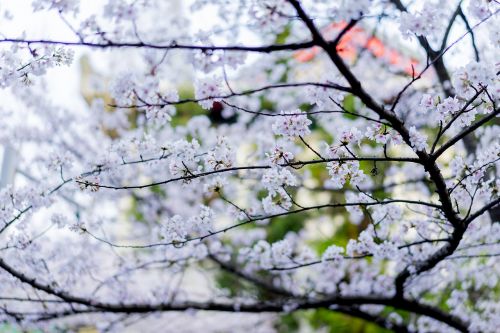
(417, 139)
(292, 124)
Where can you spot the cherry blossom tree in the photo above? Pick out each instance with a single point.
(323, 161)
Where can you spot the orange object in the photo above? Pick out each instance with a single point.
(353, 42)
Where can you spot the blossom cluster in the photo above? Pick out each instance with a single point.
(292, 124)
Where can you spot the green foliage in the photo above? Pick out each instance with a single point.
(282, 36)
(231, 283)
(288, 323)
(134, 212)
(349, 105)
(266, 104)
(335, 322)
(342, 235)
(186, 111)
(280, 226)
